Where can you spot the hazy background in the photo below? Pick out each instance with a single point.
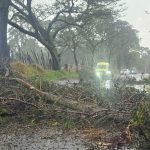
(134, 14)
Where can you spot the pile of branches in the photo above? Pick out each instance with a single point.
(78, 101)
(84, 98)
(76, 92)
(17, 98)
(127, 99)
(18, 95)
(126, 117)
(116, 114)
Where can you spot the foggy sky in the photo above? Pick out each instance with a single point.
(135, 15)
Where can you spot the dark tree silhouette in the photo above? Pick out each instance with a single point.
(4, 49)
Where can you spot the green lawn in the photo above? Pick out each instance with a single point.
(36, 71)
(57, 75)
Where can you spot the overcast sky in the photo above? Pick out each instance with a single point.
(135, 15)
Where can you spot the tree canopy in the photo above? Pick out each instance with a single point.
(44, 23)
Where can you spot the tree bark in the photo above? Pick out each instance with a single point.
(54, 56)
(4, 49)
(75, 59)
(53, 51)
(55, 62)
(74, 54)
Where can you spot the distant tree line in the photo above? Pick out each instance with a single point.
(70, 32)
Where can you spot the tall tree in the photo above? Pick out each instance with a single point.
(4, 50)
(63, 14)
(120, 45)
(70, 39)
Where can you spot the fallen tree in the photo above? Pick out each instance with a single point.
(85, 107)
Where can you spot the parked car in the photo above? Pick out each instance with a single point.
(131, 77)
(125, 72)
(133, 71)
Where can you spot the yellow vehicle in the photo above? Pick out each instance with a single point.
(102, 69)
(102, 66)
(103, 73)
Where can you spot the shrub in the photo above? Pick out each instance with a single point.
(20, 68)
(38, 68)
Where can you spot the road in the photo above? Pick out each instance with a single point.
(138, 77)
(41, 139)
(67, 82)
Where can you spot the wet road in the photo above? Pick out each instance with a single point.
(138, 77)
(45, 139)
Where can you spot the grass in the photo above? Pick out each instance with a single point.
(33, 71)
(2, 111)
(56, 75)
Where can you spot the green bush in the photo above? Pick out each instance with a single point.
(68, 123)
(86, 74)
(147, 80)
(3, 111)
(139, 115)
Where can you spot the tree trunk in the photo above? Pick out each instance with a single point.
(93, 61)
(4, 49)
(75, 59)
(118, 59)
(55, 61)
(54, 55)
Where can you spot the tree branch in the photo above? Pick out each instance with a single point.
(18, 9)
(21, 4)
(21, 29)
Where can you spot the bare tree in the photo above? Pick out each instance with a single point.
(71, 40)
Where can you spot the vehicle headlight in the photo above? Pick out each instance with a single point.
(98, 73)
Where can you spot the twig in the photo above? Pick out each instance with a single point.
(20, 101)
